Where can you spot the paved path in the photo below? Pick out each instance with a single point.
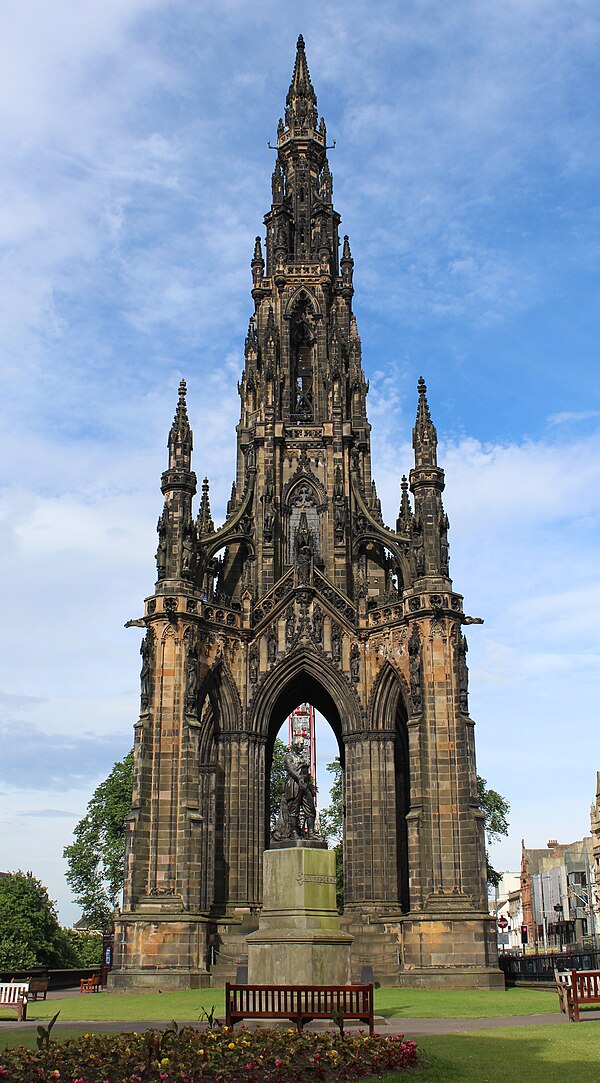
(412, 1028)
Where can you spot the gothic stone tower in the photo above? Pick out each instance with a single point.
(304, 594)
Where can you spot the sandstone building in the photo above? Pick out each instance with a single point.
(304, 594)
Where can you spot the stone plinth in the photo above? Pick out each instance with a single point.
(299, 940)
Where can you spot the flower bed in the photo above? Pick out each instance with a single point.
(219, 1056)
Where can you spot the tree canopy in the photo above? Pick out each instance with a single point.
(495, 810)
(96, 858)
(29, 929)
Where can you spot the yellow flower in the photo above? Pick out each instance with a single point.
(164, 1062)
(231, 1045)
(200, 1052)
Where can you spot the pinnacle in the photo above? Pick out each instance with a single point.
(301, 86)
(182, 390)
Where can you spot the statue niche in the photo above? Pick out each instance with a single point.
(303, 517)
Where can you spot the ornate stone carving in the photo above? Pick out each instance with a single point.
(253, 666)
(290, 625)
(162, 528)
(191, 674)
(462, 672)
(317, 621)
(336, 642)
(147, 670)
(415, 667)
(355, 663)
(272, 646)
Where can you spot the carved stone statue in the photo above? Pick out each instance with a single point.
(463, 673)
(318, 624)
(336, 642)
(298, 812)
(191, 676)
(290, 625)
(355, 664)
(147, 653)
(414, 651)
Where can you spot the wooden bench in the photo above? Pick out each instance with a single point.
(38, 988)
(582, 988)
(89, 985)
(299, 1003)
(13, 994)
(563, 984)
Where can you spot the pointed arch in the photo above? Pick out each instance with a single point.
(303, 293)
(305, 674)
(225, 705)
(389, 698)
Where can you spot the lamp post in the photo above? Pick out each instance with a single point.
(558, 907)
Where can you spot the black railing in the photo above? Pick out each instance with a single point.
(541, 967)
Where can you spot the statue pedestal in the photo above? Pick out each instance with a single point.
(299, 940)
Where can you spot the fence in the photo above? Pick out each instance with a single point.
(541, 967)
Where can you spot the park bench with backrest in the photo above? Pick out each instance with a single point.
(299, 1003)
(89, 985)
(13, 994)
(577, 989)
(38, 988)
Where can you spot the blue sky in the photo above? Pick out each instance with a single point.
(135, 173)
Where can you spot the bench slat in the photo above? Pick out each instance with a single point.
(299, 1002)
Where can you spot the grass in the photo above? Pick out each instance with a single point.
(553, 1053)
(186, 1005)
(550, 1053)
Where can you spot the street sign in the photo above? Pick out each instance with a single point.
(503, 939)
(502, 923)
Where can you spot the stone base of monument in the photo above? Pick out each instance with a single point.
(299, 940)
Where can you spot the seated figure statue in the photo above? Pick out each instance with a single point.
(298, 813)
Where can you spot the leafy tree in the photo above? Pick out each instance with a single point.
(331, 818)
(29, 929)
(86, 948)
(331, 822)
(96, 858)
(495, 810)
(277, 780)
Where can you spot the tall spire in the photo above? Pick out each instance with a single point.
(424, 434)
(205, 519)
(180, 441)
(301, 101)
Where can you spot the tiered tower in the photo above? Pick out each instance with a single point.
(304, 595)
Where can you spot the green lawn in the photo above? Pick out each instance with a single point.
(550, 1053)
(187, 1004)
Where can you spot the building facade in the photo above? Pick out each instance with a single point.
(304, 595)
(559, 906)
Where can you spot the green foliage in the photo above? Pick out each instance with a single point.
(331, 818)
(84, 948)
(277, 780)
(96, 858)
(29, 929)
(331, 824)
(43, 1038)
(495, 810)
